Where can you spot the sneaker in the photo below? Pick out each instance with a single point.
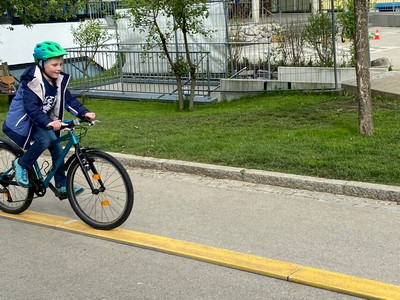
(62, 191)
(21, 175)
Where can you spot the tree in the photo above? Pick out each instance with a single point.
(184, 16)
(365, 120)
(90, 37)
(33, 11)
(318, 33)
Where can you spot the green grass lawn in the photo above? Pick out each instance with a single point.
(300, 133)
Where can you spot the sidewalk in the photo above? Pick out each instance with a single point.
(384, 84)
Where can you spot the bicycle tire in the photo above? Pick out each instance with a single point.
(21, 198)
(107, 209)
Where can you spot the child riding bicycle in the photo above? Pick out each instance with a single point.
(38, 105)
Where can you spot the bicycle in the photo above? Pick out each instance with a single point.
(108, 196)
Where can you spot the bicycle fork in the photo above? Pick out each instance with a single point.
(87, 164)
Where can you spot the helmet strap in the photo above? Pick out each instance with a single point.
(41, 64)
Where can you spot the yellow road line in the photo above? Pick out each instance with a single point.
(336, 282)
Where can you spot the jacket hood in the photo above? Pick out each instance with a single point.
(31, 72)
(28, 74)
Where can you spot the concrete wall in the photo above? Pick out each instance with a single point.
(314, 74)
(236, 88)
(384, 19)
(289, 78)
(16, 46)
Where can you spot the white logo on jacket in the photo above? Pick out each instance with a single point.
(49, 103)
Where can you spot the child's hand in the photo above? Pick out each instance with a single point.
(90, 115)
(55, 125)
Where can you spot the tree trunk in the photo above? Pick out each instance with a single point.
(181, 98)
(365, 121)
(192, 92)
(192, 66)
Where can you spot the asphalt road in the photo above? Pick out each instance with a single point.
(348, 235)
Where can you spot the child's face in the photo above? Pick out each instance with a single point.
(54, 67)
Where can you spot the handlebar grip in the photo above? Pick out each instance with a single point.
(49, 127)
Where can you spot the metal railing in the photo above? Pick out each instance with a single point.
(125, 69)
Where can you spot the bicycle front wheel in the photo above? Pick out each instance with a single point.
(14, 199)
(110, 202)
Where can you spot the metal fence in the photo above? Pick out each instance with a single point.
(114, 69)
(246, 50)
(124, 69)
(125, 72)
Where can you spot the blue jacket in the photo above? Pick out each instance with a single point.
(26, 108)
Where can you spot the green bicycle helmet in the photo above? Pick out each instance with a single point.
(46, 50)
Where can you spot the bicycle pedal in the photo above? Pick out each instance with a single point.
(62, 197)
(57, 193)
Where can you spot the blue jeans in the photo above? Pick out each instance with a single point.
(42, 139)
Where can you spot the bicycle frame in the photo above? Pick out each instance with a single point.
(73, 140)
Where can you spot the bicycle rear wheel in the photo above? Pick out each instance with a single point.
(110, 203)
(14, 199)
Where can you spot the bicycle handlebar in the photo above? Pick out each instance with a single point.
(72, 123)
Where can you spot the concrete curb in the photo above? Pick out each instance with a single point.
(340, 187)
